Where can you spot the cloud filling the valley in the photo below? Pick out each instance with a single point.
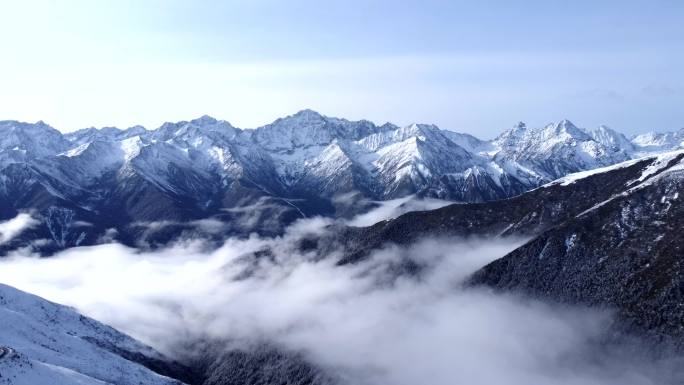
(368, 323)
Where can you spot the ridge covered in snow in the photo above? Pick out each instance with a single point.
(306, 151)
(45, 343)
(298, 165)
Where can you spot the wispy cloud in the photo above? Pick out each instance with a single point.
(393, 208)
(15, 226)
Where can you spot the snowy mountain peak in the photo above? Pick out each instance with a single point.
(37, 139)
(301, 118)
(610, 138)
(512, 135)
(414, 132)
(204, 120)
(566, 127)
(38, 128)
(194, 130)
(421, 131)
(423, 127)
(308, 114)
(389, 127)
(309, 128)
(520, 126)
(134, 131)
(90, 134)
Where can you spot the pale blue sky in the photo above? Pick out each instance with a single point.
(475, 67)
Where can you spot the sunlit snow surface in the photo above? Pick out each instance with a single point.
(45, 343)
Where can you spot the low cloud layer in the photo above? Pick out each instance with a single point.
(367, 323)
(15, 226)
(395, 207)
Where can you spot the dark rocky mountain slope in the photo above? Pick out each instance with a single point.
(626, 253)
(609, 238)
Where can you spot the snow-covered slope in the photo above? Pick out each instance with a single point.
(261, 179)
(45, 343)
(557, 149)
(611, 139)
(659, 141)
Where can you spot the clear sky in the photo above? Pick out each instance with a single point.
(470, 66)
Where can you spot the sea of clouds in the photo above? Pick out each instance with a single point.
(368, 323)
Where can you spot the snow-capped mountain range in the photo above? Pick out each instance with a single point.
(93, 183)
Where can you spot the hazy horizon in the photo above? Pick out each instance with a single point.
(475, 68)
